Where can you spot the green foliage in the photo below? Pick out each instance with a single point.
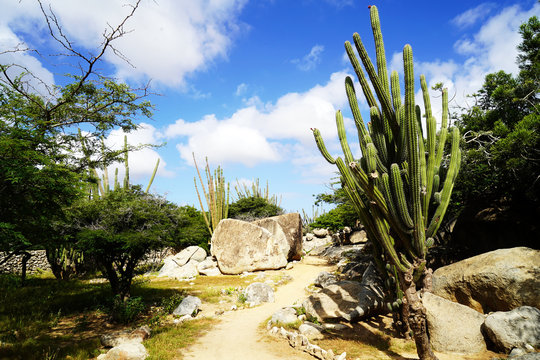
(336, 219)
(253, 208)
(191, 228)
(245, 191)
(126, 311)
(170, 303)
(118, 229)
(502, 160)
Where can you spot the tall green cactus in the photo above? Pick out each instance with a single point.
(216, 195)
(397, 186)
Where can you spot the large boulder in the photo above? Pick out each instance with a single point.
(514, 329)
(348, 300)
(291, 226)
(131, 350)
(240, 246)
(452, 327)
(499, 280)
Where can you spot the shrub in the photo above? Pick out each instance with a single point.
(126, 311)
(253, 208)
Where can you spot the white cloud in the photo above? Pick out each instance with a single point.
(141, 162)
(265, 132)
(471, 16)
(311, 60)
(170, 39)
(241, 89)
(492, 48)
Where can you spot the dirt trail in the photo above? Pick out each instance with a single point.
(238, 335)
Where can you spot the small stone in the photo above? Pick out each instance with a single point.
(343, 356)
(234, 307)
(289, 266)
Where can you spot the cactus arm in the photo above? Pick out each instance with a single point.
(413, 153)
(126, 164)
(353, 104)
(360, 75)
(153, 176)
(430, 166)
(399, 196)
(383, 96)
(425, 95)
(444, 129)
(116, 184)
(322, 148)
(453, 170)
(202, 206)
(343, 137)
(378, 134)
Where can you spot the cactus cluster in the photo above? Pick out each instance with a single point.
(216, 195)
(401, 185)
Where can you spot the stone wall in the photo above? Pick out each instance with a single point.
(38, 261)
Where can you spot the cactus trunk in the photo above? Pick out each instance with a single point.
(399, 174)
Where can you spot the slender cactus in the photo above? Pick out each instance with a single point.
(397, 187)
(216, 195)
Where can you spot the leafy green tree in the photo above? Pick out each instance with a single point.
(253, 208)
(501, 160)
(191, 228)
(339, 217)
(40, 169)
(119, 229)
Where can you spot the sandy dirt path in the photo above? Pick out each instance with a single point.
(238, 335)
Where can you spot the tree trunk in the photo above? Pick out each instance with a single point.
(25, 257)
(417, 316)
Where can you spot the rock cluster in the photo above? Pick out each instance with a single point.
(38, 261)
(189, 263)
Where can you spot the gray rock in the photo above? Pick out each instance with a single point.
(499, 280)
(257, 293)
(452, 327)
(530, 356)
(309, 237)
(208, 267)
(311, 331)
(316, 243)
(172, 269)
(515, 328)
(320, 233)
(348, 300)
(126, 351)
(358, 237)
(283, 316)
(336, 253)
(188, 306)
(240, 246)
(116, 338)
(324, 279)
(291, 226)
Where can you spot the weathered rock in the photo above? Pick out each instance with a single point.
(256, 293)
(320, 233)
(348, 300)
(119, 337)
(530, 356)
(514, 328)
(311, 331)
(291, 226)
(499, 280)
(240, 246)
(324, 279)
(316, 245)
(208, 267)
(131, 350)
(171, 269)
(284, 316)
(188, 306)
(336, 253)
(358, 237)
(452, 327)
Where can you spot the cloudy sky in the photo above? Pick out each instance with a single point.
(242, 82)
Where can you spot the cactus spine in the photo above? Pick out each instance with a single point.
(399, 174)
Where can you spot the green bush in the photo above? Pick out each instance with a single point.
(170, 303)
(253, 208)
(336, 219)
(127, 311)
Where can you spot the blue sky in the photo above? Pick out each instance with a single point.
(242, 82)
